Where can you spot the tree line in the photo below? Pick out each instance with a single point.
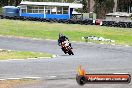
(101, 7)
(9, 2)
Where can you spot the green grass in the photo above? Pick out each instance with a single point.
(6, 54)
(74, 31)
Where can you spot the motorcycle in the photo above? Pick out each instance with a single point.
(66, 48)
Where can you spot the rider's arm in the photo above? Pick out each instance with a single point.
(59, 42)
(67, 38)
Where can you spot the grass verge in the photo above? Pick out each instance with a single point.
(74, 31)
(7, 54)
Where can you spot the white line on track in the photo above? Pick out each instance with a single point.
(15, 78)
(120, 73)
(51, 77)
(2, 79)
(29, 77)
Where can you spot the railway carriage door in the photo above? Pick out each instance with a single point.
(71, 10)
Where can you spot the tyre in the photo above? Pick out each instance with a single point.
(81, 80)
(64, 50)
(70, 52)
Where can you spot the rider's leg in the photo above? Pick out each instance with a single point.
(63, 50)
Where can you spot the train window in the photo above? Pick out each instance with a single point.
(36, 7)
(41, 11)
(47, 9)
(35, 11)
(53, 10)
(29, 7)
(59, 10)
(65, 10)
(29, 11)
(23, 10)
(41, 7)
(23, 6)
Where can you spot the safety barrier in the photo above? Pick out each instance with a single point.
(71, 21)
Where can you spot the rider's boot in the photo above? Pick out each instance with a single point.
(70, 45)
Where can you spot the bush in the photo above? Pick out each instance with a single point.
(0, 10)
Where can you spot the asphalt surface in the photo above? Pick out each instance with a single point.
(61, 71)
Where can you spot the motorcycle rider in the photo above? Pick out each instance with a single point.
(63, 39)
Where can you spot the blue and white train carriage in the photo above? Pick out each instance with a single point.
(55, 10)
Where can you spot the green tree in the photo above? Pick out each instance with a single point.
(102, 7)
(124, 5)
(51, 0)
(9, 2)
(85, 9)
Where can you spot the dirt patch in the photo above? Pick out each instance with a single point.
(13, 83)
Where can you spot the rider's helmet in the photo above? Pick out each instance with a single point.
(60, 35)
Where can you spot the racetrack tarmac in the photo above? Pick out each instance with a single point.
(61, 71)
